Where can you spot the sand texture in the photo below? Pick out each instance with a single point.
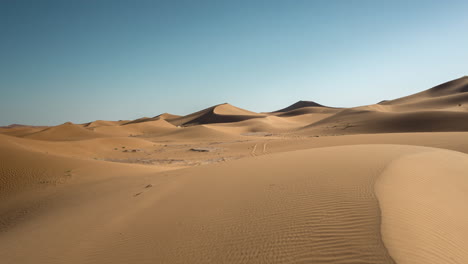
(382, 183)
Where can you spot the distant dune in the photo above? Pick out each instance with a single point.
(380, 183)
(223, 113)
(299, 104)
(455, 87)
(67, 131)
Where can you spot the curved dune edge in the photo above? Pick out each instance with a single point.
(423, 199)
(343, 204)
(291, 207)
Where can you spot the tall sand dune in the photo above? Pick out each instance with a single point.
(222, 113)
(457, 86)
(380, 183)
(442, 108)
(353, 121)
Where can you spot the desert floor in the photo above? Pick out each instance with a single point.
(383, 183)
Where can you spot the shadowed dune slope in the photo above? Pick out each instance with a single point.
(353, 121)
(164, 116)
(223, 113)
(450, 96)
(457, 86)
(303, 192)
(269, 124)
(299, 104)
(167, 116)
(442, 108)
(141, 120)
(99, 123)
(309, 110)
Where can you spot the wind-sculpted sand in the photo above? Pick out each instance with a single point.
(423, 201)
(383, 183)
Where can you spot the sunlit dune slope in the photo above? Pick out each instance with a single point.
(308, 206)
(299, 104)
(67, 131)
(222, 113)
(152, 127)
(457, 86)
(442, 108)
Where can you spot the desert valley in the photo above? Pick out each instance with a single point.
(381, 183)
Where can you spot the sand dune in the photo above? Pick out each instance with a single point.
(67, 131)
(157, 126)
(309, 110)
(99, 123)
(164, 116)
(141, 120)
(285, 208)
(360, 121)
(380, 183)
(442, 108)
(20, 130)
(457, 86)
(269, 124)
(423, 199)
(299, 104)
(450, 96)
(222, 113)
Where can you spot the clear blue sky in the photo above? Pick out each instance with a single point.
(93, 59)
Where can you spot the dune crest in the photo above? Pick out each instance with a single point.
(66, 131)
(379, 183)
(423, 201)
(299, 104)
(222, 113)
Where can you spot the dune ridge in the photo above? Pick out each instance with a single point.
(379, 183)
(67, 131)
(423, 199)
(299, 104)
(233, 222)
(222, 113)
